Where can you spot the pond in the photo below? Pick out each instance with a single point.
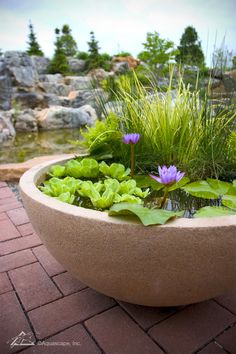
(28, 145)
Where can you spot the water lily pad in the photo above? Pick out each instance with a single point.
(201, 189)
(147, 216)
(210, 211)
(229, 201)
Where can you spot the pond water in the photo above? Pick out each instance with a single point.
(28, 145)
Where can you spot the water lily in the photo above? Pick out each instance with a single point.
(131, 139)
(168, 175)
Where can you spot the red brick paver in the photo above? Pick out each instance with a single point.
(117, 333)
(33, 286)
(5, 284)
(18, 216)
(13, 321)
(65, 312)
(48, 262)
(68, 284)
(46, 305)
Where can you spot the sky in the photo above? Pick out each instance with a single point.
(119, 25)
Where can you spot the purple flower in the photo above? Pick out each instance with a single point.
(131, 138)
(168, 175)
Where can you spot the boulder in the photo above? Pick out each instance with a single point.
(78, 82)
(121, 67)
(55, 88)
(25, 121)
(76, 65)
(21, 68)
(51, 78)
(31, 100)
(40, 63)
(5, 92)
(58, 117)
(7, 130)
(132, 62)
(79, 98)
(99, 74)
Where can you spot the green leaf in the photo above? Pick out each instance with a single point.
(210, 211)
(66, 198)
(89, 168)
(201, 189)
(73, 169)
(116, 170)
(127, 198)
(147, 216)
(219, 186)
(179, 184)
(104, 201)
(144, 181)
(127, 187)
(112, 184)
(229, 201)
(57, 171)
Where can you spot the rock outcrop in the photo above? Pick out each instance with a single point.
(62, 117)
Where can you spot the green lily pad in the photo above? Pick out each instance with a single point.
(229, 201)
(144, 181)
(201, 189)
(219, 186)
(147, 216)
(210, 211)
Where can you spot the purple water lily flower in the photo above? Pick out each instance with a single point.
(132, 138)
(168, 175)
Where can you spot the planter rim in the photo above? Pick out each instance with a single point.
(28, 185)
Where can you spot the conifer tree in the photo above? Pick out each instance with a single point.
(59, 63)
(68, 43)
(190, 51)
(34, 47)
(94, 56)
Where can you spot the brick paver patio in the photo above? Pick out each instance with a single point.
(59, 314)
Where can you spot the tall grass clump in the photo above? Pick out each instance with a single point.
(176, 127)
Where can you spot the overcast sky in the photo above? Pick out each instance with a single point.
(118, 24)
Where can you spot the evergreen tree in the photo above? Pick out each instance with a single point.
(234, 62)
(68, 43)
(190, 51)
(34, 48)
(157, 50)
(94, 56)
(59, 63)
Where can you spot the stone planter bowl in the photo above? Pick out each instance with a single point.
(182, 262)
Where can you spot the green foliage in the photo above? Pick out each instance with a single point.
(34, 47)
(103, 138)
(82, 55)
(221, 59)
(190, 51)
(157, 50)
(211, 211)
(68, 44)
(59, 63)
(123, 54)
(94, 57)
(102, 194)
(187, 132)
(147, 216)
(234, 62)
(87, 168)
(115, 170)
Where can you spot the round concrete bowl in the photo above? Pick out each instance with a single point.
(182, 262)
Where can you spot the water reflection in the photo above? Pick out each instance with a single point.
(29, 145)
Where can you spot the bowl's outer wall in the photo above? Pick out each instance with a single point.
(182, 262)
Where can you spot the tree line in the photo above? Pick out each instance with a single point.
(157, 51)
